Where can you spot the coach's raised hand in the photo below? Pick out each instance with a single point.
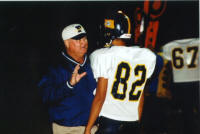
(76, 77)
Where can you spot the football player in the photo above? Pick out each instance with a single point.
(184, 57)
(122, 73)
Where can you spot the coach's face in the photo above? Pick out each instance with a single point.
(77, 48)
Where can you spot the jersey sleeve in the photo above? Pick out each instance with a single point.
(100, 64)
(152, 63)
(166, 52)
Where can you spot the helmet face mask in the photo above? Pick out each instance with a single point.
(116, 26)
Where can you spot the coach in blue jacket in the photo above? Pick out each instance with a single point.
(68, 88)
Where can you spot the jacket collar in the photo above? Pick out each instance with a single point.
(69, 58)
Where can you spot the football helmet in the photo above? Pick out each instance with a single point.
(117, 25)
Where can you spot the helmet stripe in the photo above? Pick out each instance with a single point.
(129, 22)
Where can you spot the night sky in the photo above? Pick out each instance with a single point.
(30, 39)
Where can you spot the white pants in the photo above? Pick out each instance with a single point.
(58, 129)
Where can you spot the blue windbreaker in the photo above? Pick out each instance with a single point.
(68, 106)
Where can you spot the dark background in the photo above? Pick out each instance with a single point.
(30, 39)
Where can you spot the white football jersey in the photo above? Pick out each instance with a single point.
(184, 56)
(127, 69)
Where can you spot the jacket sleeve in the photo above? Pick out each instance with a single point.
(53, 87)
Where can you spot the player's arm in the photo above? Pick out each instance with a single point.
(97, 103)
(141, 104)
(154, 77)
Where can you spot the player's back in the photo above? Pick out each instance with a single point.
(184, 55)
(127, 69)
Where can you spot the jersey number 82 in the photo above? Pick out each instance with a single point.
(122, 77)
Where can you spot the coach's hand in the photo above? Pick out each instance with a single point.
(76, 77)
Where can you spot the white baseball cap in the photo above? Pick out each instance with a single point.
(73, 31)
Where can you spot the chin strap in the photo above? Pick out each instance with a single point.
(108, 45)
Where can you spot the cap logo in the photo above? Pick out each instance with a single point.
(109, 23)
(79, 28)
